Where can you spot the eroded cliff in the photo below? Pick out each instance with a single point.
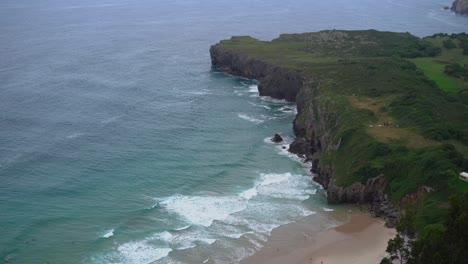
(274, 81)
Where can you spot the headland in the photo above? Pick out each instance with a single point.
(382, 116)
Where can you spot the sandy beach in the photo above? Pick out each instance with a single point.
(361, 239)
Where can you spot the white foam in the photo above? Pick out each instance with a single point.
(273, 100)
(283, 147)
(239, 235)
(285, 185)
(189, 246)
(283, 150)
(201, 92)
(165, 236)
(110, 120)
(206, 260)
(328, 209)
(239, 92)
(263, 106)
(277, 185)
(251, 119)
(268, 140)
(288, 109)
(108, 234)
(248, 194)
(74, 135)
(200, 210)
(140, 252)
(182, 228)
(253, 89)
(208, 241)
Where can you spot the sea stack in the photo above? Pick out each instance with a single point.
(460, 7)
(276, 138)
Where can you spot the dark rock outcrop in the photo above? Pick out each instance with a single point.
(382, 207)
(277, 138)
(357, 192)
(460, 7)
(274, 81)
(299, 146)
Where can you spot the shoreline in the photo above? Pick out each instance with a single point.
(361, 239)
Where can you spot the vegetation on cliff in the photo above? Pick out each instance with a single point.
(460, 7)
(373, 103)
(438, 244)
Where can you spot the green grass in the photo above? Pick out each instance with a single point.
(395, 68)
(433, 67)
(434, 70)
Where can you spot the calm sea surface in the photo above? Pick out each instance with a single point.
(120, 144)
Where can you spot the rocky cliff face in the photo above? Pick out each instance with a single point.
(315, 125)
(273, 80)
(460, 7)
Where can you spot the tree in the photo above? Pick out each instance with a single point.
(398, 249)
(445, 244)
(449, 44)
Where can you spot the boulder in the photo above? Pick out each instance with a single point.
(299, 146)
(277, 138)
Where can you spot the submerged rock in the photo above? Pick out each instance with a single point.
(277, 138)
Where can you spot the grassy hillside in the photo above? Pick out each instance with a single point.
(401, 111)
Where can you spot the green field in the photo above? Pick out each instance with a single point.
(433, 67)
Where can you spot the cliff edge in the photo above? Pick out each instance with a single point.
(460, 7)
(366, 113)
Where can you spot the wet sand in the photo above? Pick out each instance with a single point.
(361, 239)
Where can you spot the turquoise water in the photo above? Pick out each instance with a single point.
(119, 143)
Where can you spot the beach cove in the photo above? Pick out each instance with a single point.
(121, 144)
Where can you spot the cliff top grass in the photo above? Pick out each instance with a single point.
(401, 102)
(401, 73)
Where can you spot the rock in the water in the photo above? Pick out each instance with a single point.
(460, 7)
(277, 138)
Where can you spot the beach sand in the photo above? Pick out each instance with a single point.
(361, 239)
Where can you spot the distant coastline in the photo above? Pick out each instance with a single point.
(460, 7)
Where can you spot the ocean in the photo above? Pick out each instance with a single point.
(120, 144)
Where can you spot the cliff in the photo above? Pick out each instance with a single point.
(275, 81)
(346, 84)
(460, 7)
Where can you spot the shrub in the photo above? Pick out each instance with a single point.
(449, 44)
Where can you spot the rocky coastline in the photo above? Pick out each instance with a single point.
(460, 7)
(313, 127)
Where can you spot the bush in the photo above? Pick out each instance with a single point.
(445, 244)
(449, 44)
(455, 70)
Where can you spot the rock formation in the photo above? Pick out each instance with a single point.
(460, 7)
(275, 82)
(277, 138)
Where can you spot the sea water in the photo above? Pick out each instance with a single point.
(120, 144)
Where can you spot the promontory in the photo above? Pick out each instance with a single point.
(382, 116)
